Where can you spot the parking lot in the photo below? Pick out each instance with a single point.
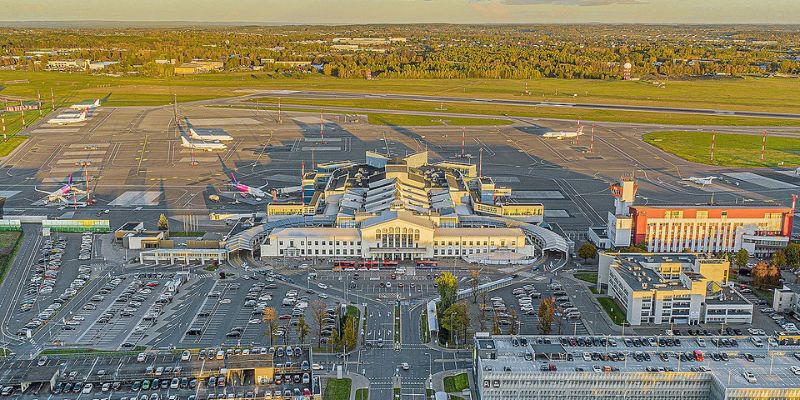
(522, 301)
(232, 313)
(214, 373)
(61, 270)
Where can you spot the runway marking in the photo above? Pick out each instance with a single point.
(556, 214)
(537, 194)
(137, 198)
(8, 193)
(84, 153)
(321, 148)
(759, 180)
(225, 121)
(56, 130)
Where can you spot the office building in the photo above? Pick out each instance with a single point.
(680, 288)
(761, 230)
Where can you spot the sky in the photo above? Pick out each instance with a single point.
(407, 11)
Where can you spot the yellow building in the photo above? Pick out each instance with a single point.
(676, 288)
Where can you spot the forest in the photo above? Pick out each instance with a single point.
(422, 51)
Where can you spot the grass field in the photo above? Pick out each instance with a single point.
(762, 94)
(362, 394)
(402, 119)
(533, 112)
(9, 243)
(612, 309)
(590, 277)
(337, 389)
(456, 383)
(731, 150)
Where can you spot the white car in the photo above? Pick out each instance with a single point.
(587, 356)
(795, 369)
(405, 366)
(186, 355)
(322, 286)
(225, 301)
(749, 377)
(254, 321)
(316, 367)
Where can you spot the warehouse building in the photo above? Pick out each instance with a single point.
(679, 288)
(550, 368)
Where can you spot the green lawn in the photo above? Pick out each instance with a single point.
(568, 113)
(590, 277)
(337, 389)
(765, 294)
(89, 351)
(397, 324)
(9, 244)
(396, 393)
(731, 150)
(761, 94)
(424, 333)
(612, 309)
(362, 394)
(399, 119)
(456, 383)
(186, 234)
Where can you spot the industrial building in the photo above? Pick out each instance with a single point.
(632, 368)
(199, 67)
(761, 230)
(403, 209)
(678, 288)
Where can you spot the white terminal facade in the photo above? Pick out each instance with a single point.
(677, 288)
(404, 209)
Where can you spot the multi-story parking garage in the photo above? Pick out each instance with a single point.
(559, 367)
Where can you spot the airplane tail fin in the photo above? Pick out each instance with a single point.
(183, 139)
(97, 103)
(233, 178)
(84, 113)
(580, 130)
(69, 180)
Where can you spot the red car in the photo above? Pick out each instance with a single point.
(285, 316)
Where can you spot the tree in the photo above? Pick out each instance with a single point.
(779, 259)
(759, 274)
(163, 223)
(302, 328)
(741, 258)
(317, 308)
(514, 319)
(270, 317)
(474, 281)
(495, 326)
(546, 313)
(447, 288)
(587, 250)
(792, 252)
(350, 335)
(456, 319)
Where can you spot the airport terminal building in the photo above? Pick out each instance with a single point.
(403, 209)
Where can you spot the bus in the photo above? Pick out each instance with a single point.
(344, 264)
(427, 264)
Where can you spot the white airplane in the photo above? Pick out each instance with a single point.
(244, 190)
(702, 181)
(200, 145)
(66, 119)
(62, 194)
(85, 106)
(563, 135)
